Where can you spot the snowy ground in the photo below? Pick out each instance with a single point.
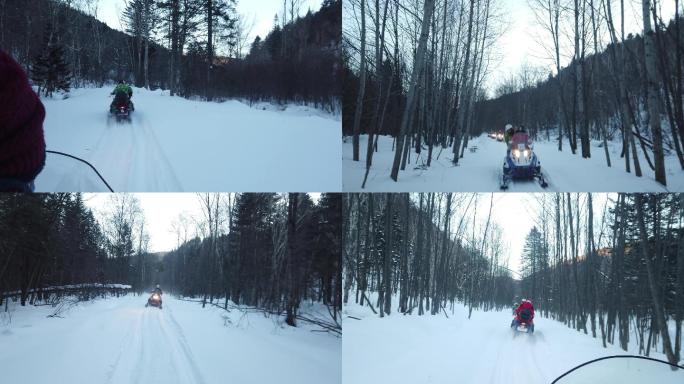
(118, 340)
(434, 349)
(174, 144)
(480, 171)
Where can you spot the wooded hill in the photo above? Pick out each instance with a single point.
(530, 98)
(622, 279)
(633, 85)
(424, 248)
(295, 62)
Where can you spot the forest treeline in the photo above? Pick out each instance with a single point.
(422, 250)
(279, 252)
(49, 240)
(608, 265)
(629, 90)
(622, 281)
(190, 47)
(267, 251)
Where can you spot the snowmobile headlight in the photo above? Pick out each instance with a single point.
(526, 153)
(516, 153)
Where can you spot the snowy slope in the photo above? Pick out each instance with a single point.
(434, 349)
(174, 144)
(118, 340)
(480, 171)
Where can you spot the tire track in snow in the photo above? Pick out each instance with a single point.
(130, 158)
(128, 343)
(186, 353)
(157, 173)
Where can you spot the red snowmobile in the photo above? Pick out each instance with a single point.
(524, 317)
(154, 300)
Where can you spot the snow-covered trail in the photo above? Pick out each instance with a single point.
(434, 349)
(480, 170)
(154, 350)
(118, 340)
(128, 153)
(175, 144)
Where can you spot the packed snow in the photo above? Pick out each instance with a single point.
(119, 340)
(413, 349)
(175, 144)
(480, 170)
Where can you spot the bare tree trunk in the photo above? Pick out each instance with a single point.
(659, 314)
(652, 97)
(362, 86)
(419, 62)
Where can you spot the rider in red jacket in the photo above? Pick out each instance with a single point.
(524, 314)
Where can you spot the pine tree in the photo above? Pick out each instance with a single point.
(534, 260)
(50, 71)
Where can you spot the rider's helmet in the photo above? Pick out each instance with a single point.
(121, 81)
(157, 285)
(508, 126)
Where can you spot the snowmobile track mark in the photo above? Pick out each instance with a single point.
(124, 344)
(184, 347)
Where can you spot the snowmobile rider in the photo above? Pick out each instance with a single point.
(122, 94)
(509, 131)
(158, 291)
(524, 313)
(22, 141)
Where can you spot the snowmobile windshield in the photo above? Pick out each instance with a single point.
(66, 172)
(623, 369)
(520, 137)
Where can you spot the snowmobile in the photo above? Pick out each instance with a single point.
(521, 162)
(522, 326)
(623, 369)
(121, 112)
(121, 107)
(155, 301)
(523, 321)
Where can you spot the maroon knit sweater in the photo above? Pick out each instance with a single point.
(22, 144)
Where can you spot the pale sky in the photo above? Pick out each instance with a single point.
(261, 12)
(161, 210)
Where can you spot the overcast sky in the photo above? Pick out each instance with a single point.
(160, 209)
(261, 12)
